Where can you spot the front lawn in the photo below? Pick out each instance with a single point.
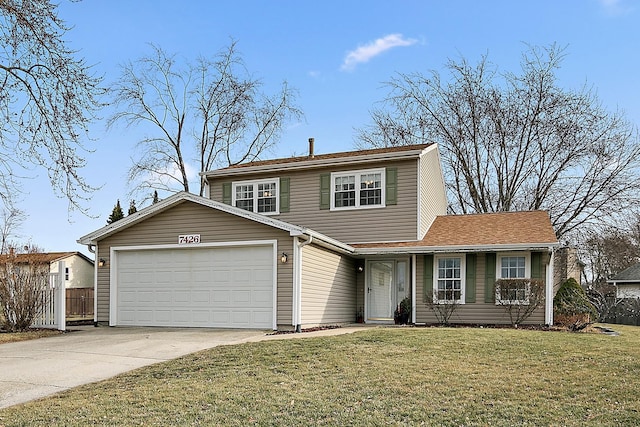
(386, 376)
(6, 337)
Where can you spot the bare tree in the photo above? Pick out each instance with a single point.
(47, 100)
(607, 252)
(517, 141)
(12, 218)
(211, 110)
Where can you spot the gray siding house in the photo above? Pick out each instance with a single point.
(627, 282)
(314, 240)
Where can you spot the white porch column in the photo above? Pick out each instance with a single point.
(414, 266)
(548, 310)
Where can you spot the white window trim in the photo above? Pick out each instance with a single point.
(463, 277)
(357, 174)
(255, 183)
(527, 275)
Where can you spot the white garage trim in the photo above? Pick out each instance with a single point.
(113, 269)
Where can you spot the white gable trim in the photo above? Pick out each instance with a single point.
(294, 230)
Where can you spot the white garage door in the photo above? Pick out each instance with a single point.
(228, 287)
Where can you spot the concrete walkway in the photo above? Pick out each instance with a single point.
(37, 368)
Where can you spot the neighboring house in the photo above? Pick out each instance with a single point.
(79, 272)
(79, 269)
(306, 241)
(627, 282)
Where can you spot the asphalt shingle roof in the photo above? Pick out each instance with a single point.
(345, 154)
(630, 274)
(503, 228)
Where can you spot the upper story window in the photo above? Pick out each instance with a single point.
(449, 274)
(358, 189)
(256, 196)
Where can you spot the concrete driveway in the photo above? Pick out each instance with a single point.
(37, 368)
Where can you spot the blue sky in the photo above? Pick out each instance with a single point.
(336, 54)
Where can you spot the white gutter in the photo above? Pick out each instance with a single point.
(297, 281)
(95, 285)
(325, 241)
(453, 249)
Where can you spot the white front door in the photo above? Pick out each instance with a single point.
(387, 284)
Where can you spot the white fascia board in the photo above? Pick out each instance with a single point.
(324, 241)
(130, 220)
(454, 249)
(311, 163)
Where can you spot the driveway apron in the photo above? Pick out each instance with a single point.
(40, 367)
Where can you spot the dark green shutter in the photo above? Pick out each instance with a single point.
(536, 265)
(284, 195)
(391, 188)
(490, 278)
(226, 193)
(325, 191)
(470, 279)
(427, 277)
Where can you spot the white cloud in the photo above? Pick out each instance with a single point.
(372, 49)
(616, 7)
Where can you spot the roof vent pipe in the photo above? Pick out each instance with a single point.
(311, 148)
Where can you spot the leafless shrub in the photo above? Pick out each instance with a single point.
(443, 310)
(519, 297)
(23, 278)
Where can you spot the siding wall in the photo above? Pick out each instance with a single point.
(80, 272)
(328, 287)
(391, 223)
(213, 226)
(479, 312)
(433, 198)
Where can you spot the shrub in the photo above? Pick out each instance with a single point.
(402, 313)
(519, 297)
(572, 308)
(443, 310)
(22, 281)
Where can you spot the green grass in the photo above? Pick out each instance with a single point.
(386, 376)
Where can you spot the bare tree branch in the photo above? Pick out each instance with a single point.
(47, 100)
(517, 141)
(212, 110)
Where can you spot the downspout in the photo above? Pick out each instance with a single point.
(92, 249)
(297, 281)
(548, 312)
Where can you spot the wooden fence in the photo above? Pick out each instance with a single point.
(80, 303)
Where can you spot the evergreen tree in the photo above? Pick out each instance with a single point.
(132, 208)
(116, 214)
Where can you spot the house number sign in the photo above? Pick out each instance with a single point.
(185, 239)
